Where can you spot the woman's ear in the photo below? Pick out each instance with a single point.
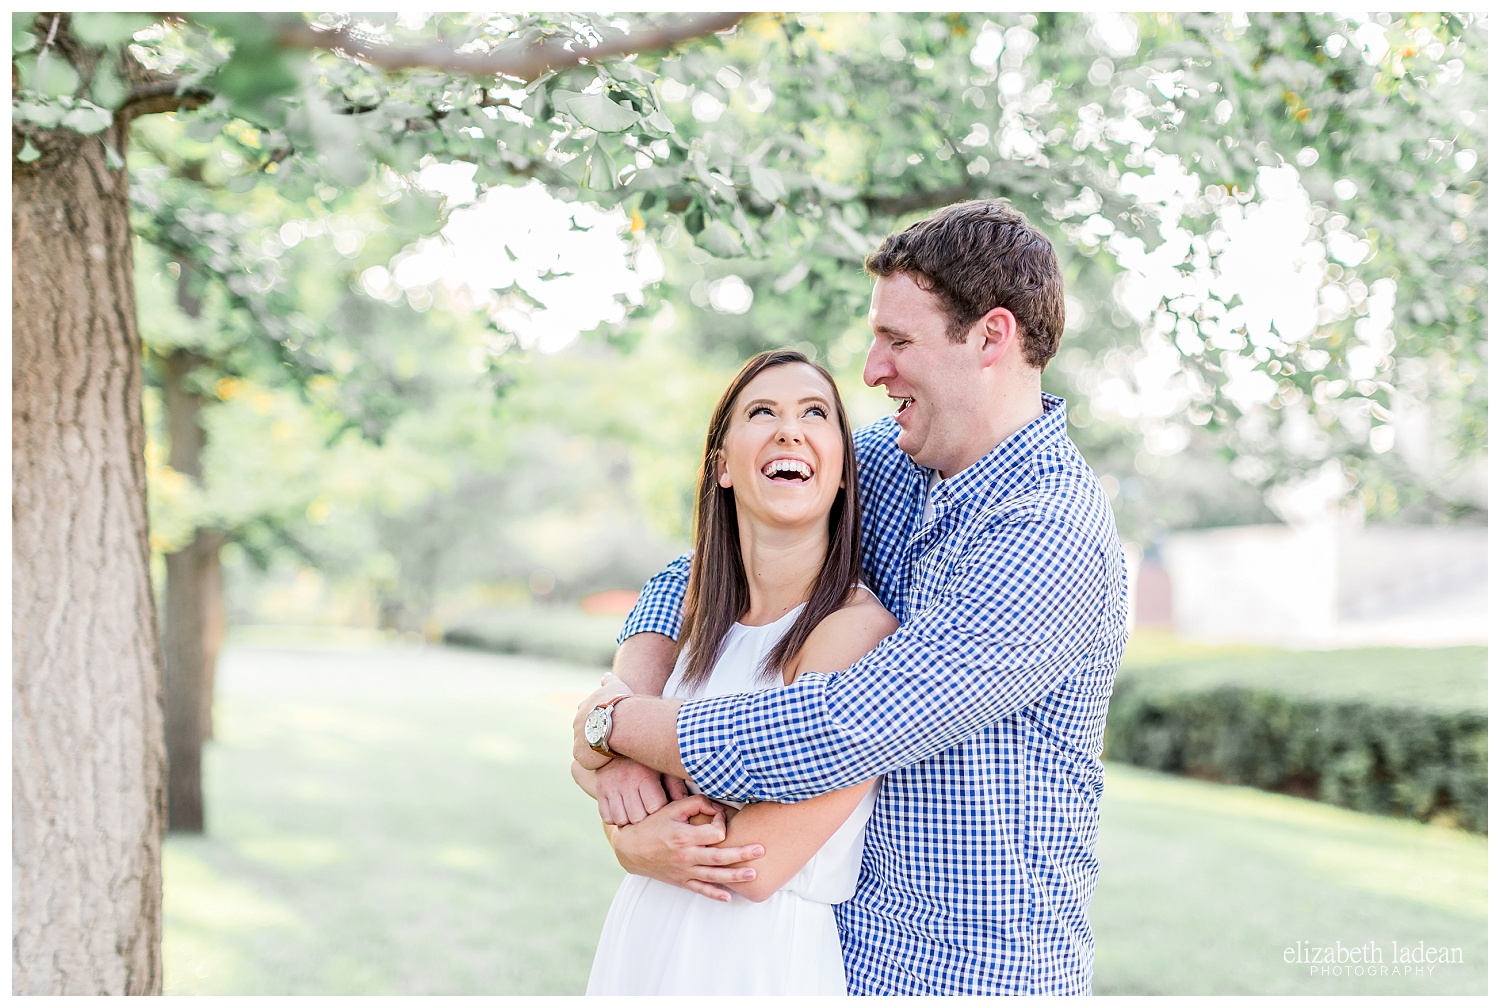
(724, 479)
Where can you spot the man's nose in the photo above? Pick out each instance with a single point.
(877, 365)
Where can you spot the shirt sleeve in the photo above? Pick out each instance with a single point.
(659, 609)
(1008, 626)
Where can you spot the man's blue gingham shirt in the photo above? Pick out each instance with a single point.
(984, 711)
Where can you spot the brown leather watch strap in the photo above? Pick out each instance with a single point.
(603, 747)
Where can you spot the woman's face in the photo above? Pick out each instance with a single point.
(783, 452)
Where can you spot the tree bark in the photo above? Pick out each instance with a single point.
(189, 650)
(190, 626)
(88, 764)
(213, 629)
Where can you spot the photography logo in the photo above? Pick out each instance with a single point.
(1372, 958)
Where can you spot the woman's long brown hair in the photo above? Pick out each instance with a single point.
(718, 593)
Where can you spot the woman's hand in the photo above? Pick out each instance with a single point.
(675, 846)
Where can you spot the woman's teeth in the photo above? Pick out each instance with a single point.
(787, 467)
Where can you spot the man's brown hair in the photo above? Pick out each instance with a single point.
(978, 256)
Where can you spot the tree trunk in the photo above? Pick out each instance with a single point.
(193, 591)
(88, 764)
(213, 626)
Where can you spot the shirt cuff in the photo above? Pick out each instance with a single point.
(706, 738)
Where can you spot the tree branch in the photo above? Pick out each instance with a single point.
(520, 59)
(921, 199)
(160, 95)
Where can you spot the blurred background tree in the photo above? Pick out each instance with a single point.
(1273, 227)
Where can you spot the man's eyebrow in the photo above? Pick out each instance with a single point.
(891, 330)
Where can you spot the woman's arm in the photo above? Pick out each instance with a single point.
(793, 833)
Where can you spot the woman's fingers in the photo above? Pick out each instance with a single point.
(713, 892)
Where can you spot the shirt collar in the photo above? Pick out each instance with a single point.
(1006, 455)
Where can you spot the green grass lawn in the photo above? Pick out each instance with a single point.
(1438, 679)
(399, 820)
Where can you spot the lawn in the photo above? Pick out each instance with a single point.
(1433, 679)
(398, 820)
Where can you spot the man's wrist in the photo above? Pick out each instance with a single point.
(615, 735)
(598, 728)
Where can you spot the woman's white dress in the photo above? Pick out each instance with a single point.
(659, 939)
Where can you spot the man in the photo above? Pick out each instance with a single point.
(989, 538)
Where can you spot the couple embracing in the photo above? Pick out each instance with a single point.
(852, 745)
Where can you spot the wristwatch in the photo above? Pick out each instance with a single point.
(597, 725)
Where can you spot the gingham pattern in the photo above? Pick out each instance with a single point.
(985, 711)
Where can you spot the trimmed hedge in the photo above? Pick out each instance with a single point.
(563, 634)
(1389, 731)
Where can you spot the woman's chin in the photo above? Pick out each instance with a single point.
(791, 518)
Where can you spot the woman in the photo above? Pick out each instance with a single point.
(774, 591)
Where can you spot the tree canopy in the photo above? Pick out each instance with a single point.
(1273, 226)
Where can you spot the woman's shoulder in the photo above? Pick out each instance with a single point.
(861, 608)
(847, 634)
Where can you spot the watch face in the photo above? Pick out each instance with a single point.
(595, 726)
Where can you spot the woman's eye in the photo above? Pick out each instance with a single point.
(758, 410)
(817, 411)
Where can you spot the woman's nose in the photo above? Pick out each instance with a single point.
(789, 432)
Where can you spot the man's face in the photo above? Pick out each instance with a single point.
(935, 382)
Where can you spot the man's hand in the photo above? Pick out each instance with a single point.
(612, 686)
(628, 792)
(670, 847)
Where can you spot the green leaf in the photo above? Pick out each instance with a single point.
(415, 211)
(201, 128)
(28, 153)
(601, 171)
(112, 158)
(630, 72)
(53, 75)
(719, 239)
(345, 164)
(108, 28)
(598, 112)
(106, 89)
(87, 119)
(294, 185)
(21, 41)
(44, 115)
(660, 121)
(747, 232)
(252, 77)
(574, 169)
(245, 30)
(537, 104)
(767, 183)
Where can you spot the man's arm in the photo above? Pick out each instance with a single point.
(646, 735)
(626, 791)
(1009, 625)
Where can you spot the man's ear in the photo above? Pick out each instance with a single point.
(999, 334)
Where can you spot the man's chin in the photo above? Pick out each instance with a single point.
(908, 443)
